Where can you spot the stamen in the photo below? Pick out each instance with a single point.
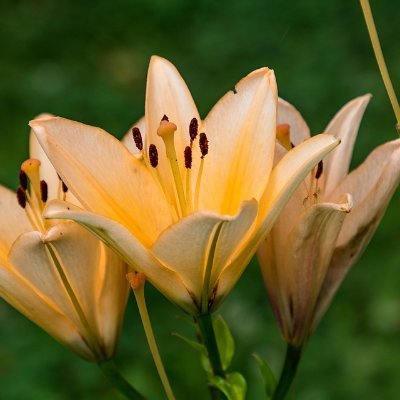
(23, 180)
(188, 165)
(193, 129)
(137, 137)
(64, 187)
(165, 118)
(167, 132)
(203, 143)
(188, 157)
(44, 192)
(153, 155)
(283, 136)
(320, 169)
(21, 197)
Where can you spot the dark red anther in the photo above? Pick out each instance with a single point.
(137, 137)
(23, 180)
(44, 191)
(320, 169)
(153, 155)
(64, 187)
(203, 143)
(188, 157)
(164, 118)
(21, 197)
(193, 129)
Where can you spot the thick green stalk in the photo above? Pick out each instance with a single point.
(210, 341)
(118, 381)
(292, 359)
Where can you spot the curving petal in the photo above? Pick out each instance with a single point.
(372, 185)
(285, 178)
(47, 171)
(307, 256)
(12, 219)
(241, 129)
(19, 293)
(184, 248)
(31, 259)
(344, 126)
(167, 94)
(128, 141)
(118, 238)
(288, 114)
(104, 176)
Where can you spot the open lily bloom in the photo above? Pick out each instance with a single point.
(191, 206)
(55, 272)
(323, 229)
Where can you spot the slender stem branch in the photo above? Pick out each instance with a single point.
(373, 34)
(138, 290)
(292, 359)
(210, 341)
(118, 381)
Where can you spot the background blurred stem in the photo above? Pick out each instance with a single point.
(373, 34)
(292, 359)
(118, 381)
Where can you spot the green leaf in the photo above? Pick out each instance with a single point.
(205, 362)
(267, 374)
(234, 386)
(225, 342)
(195, 345)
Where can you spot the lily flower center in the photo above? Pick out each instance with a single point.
(313, 190)
(185, 199)
(33, 193)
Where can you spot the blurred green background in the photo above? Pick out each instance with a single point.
(87, 60)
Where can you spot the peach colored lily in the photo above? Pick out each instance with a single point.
(55, 272)
(191, 206)
(327, 223)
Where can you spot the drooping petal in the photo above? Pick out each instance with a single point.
(241, 129)
(30, 257)
(308, 253)
(13, 221)
(167, 94)
(90, 268)
(345, 127)
(105, 177)
(128, 141)
(372, 185)
(22, 296)
(47, 171)
(284, 179)
(287, 114)
(118, 238)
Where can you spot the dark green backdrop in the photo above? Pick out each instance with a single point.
(87, 60)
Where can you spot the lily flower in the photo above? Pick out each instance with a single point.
(54, 272)
(191, 206)
(327, 223)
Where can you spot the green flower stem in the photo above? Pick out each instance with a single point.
(292, 359)
(373, 34)
(141, 302)
(210, 341)
(118, 381)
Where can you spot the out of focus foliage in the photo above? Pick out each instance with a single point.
(87, 60)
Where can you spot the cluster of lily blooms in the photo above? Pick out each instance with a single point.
(188, 202)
